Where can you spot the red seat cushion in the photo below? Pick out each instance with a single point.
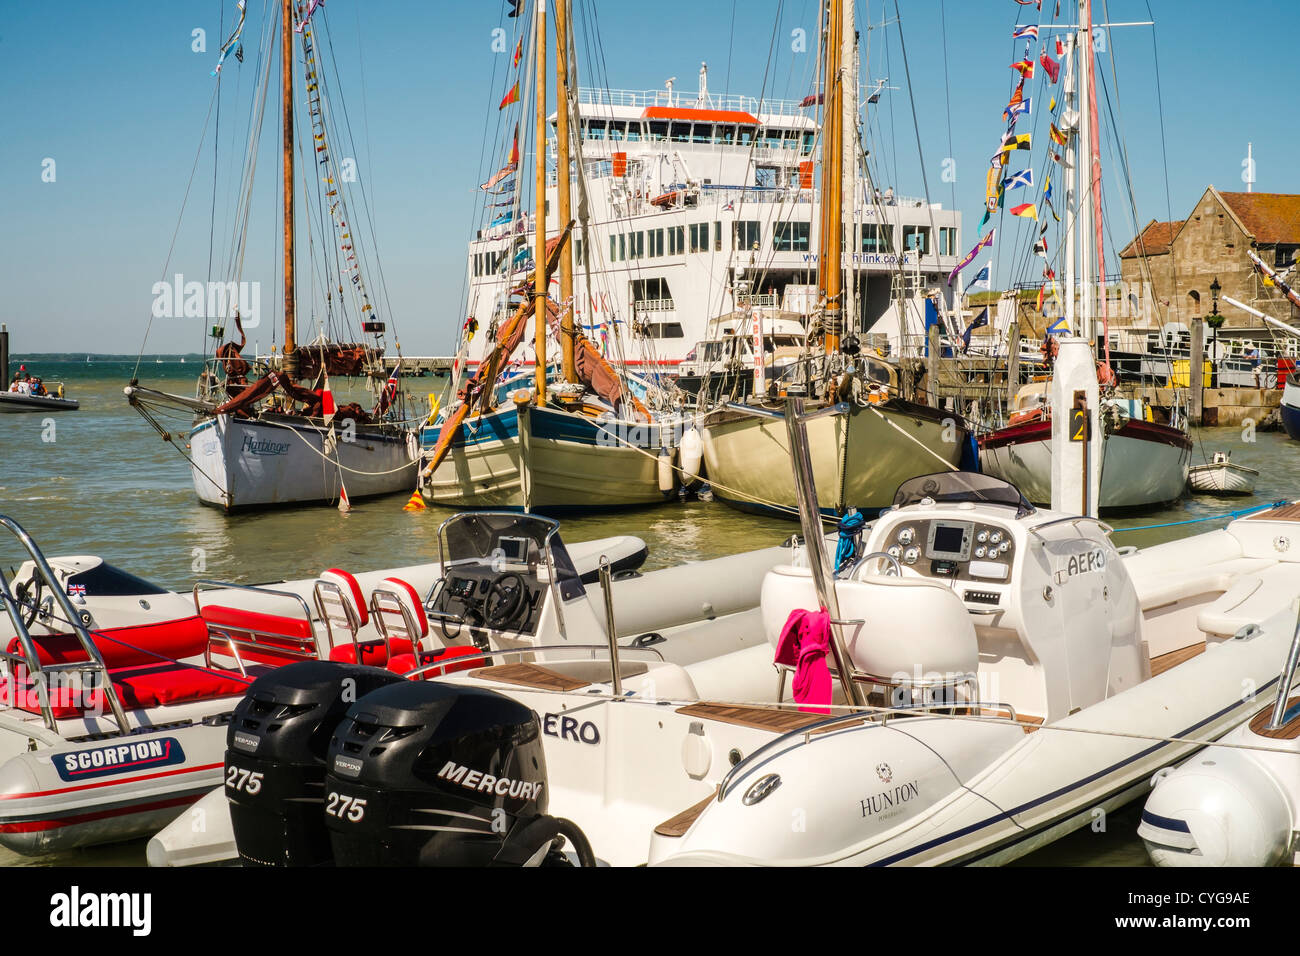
(373, 653)
(170, 640)
(405, 663)
(282, 638)
(138, 687)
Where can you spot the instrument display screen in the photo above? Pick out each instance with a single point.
(949, 541)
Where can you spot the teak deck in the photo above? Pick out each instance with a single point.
(1285, 513)
(760, 718)
(678, 825)
(530, 675)
(1288, 731)
(1164, 662)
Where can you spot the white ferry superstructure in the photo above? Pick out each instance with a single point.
(700, 205)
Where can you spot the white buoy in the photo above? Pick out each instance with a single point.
(667, 473)
(691, 455)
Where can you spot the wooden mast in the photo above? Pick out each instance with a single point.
(830, 260)
(564, 203)
(290, 363)
(539, 249)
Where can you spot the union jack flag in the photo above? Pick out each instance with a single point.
(77, 590)
(389, 394)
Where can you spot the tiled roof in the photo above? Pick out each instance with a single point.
(1269, 217)
(1155, 240)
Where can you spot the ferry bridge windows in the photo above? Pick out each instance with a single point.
(917, 239)
(622, 247)
(658, 131)
(636, 245)
(633, 132)
(877, 238)
(680, 132)
(792, 139)
(699, 236)
(651, 290)
(703, 133)
(808, 139)
(947, 241)
(724, 135)
(656, 243)
(665, 330)
(765, 177)
(746, 234)
(791, 236)
(745, 135)
(676, 240)
(596, 129)
(773, 138)
(617, 131)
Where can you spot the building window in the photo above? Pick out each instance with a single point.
(657, 244)
(791, 236)
(1285, 255)
(877, 238)
(622, 247)
(717, 236)
(947, 241)
(917, 239)
(665, 330)
(613, 249)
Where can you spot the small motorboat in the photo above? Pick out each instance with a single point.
(1222, 476)
(27, 402)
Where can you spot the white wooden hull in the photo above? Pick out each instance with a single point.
(562, 462)
(859, 456)
(246, 463)
(1222, 479)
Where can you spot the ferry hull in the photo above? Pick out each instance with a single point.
(860, 455)
(547, 461)
(243, 463)
(1142, 464)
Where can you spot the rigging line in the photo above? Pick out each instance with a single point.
(176, 231)
(216, 140)
(947, 91)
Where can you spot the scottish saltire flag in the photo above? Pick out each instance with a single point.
(1023, 178)
(1025, 32)
(982, 279)
(984, 243)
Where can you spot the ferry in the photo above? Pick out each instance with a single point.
(702, 206)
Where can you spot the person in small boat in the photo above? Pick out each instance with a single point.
(38, 387)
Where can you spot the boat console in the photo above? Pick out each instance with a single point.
(497, 568)
(942, 527)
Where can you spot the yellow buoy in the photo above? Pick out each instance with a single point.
(416, 503)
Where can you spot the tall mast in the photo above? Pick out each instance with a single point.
(290, 364)
(539, 248)
(1071, 176)
(1083, 170)
(562, 184)
(1094, 175)
(830, 261)
(849, 188)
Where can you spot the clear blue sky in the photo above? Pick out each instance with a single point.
(114, 95)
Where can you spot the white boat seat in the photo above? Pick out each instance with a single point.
(1179, 584)
(1251, 599)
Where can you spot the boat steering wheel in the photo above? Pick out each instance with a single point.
(28, 596)
(505, 600)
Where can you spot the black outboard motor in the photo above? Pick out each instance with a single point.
(434, 774)
(275, 758)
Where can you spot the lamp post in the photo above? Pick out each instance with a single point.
(1214, 320)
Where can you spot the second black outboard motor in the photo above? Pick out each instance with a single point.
(439, 774)
(275, 758)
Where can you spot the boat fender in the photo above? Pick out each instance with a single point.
(691, 452)
(59, 390)
(667, 473)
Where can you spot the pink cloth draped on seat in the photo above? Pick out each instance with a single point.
(805, 642)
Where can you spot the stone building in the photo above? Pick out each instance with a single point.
(1168, 269)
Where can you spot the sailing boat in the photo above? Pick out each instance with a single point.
(1144, 463)
(866, 440)
(273, 440)
(524, 450)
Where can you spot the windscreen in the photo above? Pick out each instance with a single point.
(955, 486)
